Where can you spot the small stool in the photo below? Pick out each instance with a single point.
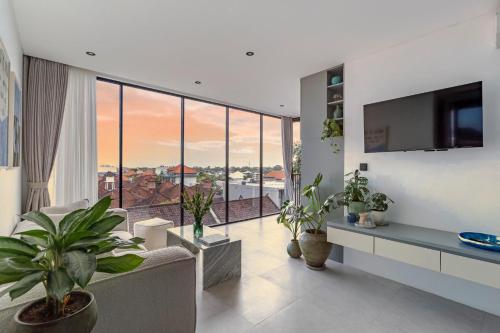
(153, 231)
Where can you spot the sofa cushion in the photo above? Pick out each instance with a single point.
(82, 204)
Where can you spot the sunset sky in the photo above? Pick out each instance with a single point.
(151, 131)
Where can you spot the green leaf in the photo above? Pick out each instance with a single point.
(107, 224)
(95, 213)
(35, 237)
(80, 266)
(24, 285)
(59, 284)
(73, 237)
(85, 243)
(42, 220)
(13, 269)
(122, 264)
(69, 220)
(16, 246)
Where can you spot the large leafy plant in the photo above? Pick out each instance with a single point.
(317, 209)
(65, 255)
(198, 204)
(292, 216)
(356, 188)
(332, 130)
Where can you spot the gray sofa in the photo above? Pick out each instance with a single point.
(158, 297)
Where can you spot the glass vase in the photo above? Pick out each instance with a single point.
(198, 228)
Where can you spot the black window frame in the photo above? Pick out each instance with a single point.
(227, 107)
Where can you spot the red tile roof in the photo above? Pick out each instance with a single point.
(276, 174)
(187, 170)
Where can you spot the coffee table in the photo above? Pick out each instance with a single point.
(220, 262)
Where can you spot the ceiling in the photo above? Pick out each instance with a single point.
(171, 44)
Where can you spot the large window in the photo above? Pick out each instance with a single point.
(205, 155)
(244, 165)
(153, 146)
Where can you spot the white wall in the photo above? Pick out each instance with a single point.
(10, 180)
(456, 190)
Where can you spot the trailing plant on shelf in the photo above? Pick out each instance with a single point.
(292, 216)
(355, 192)
(332, 130)
(198, 204)
(62, 256)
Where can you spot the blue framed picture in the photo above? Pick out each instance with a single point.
(15, 111)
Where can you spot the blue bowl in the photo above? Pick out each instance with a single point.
(352, 218)
(481, 241)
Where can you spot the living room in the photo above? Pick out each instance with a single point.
(249, 166)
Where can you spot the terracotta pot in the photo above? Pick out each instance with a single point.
(293, 249)
(378, 217)
(82, 321)
(315, 249)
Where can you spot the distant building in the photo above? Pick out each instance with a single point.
(174, 175)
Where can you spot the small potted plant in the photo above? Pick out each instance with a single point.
(378, 203)
(62, 257)
(292, 216)
(313, 243)
(198, 204)
(355, 193)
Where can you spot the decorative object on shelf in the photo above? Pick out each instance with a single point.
(369, 225)
(313, 243)
(336, 97)
(292, 216)
(198, 205)
(60, 256)
(364, 221)
(338, 113)
(355, 192)
(480, 240)
(378, 203)
(336, 79)
(332, 130)
(352, 218)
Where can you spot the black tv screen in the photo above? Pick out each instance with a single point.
(437, 120)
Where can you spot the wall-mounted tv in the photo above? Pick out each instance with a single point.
(436, 120)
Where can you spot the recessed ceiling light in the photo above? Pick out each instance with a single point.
(197, 82)
(90, 53)
(250, 53)
(282, 105)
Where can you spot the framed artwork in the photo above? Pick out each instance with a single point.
(15, 111)
(4, 106)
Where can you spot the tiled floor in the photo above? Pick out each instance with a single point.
(279, 294)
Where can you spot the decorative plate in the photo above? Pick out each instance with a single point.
(479, 240)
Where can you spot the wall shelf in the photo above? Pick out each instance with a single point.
(338, 85)
(336, 102)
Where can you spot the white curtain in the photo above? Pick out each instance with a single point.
(75, 174)
(287, 144)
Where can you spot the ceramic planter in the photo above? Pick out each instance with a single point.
(293, 249)
(378, 217)
(315, 249)
(356, 207)
(82, 321)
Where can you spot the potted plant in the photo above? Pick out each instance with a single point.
(355, 192)
(198, 204)
(292, 216)
(378, 203)
(61, 257)
(332, 130)
(313, 243)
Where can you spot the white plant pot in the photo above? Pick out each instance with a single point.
(378, 217)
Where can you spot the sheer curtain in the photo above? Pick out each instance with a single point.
(287, 144)
(75, 174)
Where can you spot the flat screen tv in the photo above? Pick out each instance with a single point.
(436, 120)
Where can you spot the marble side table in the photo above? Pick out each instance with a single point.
(220, 262)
